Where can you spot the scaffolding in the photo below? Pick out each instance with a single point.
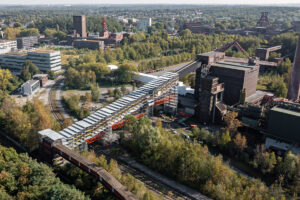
(162, 90)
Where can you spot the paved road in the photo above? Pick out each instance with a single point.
(58, 99)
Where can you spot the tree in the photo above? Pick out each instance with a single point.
(29, 69)
(123, 90)
(29, 32)
(11, 33)
(25, 178)
(5, 77)
(225, 138)
(240, 142)
(25, 74)
(232, 123)
(117, 93)
(67, 122)
(60, 35)
(125, 73)
(49, 33)
(110, 92)
(264, 160)
(95, 91)
(17, 25)
(51, 75)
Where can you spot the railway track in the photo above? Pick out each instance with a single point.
(53, 105)
(151, 183)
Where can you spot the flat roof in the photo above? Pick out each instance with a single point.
(97, 41)
(5, 41)
(286, 111)
(210, 53)
(51, 134)
(234, 65)
(42, 51)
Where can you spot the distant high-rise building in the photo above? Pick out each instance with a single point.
(80, 25)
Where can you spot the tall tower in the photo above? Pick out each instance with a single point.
(294, 87)
(104, 32)
(264, 20)
(80, 25)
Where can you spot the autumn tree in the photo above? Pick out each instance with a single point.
(240, 142)
(232, 123)
(95, 91)
(5, 77)
(67, 122)
(264, 160)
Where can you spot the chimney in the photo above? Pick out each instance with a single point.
(294, 86)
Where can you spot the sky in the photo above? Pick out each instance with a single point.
(250, 2)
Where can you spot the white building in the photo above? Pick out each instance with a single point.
(184, 89)
(44, 60)
(30, 87)
(112, 67)
(143, 24)
(7, 46)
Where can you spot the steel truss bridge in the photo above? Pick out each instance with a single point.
(161, 91)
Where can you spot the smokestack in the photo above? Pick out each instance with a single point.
(294, 86)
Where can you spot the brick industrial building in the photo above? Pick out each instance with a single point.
(236, 78)
(88, 44)
(79, 24)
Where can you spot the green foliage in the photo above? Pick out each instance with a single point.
(51, 75)
(49, 33)
(288, 42)
(17, 25)
(125, 73)
(75, 79)
(8, 82)
(29, 69)
(264, 160)
(117, 93)
(95, 91)
(25, 178)
(189, 80)
(24, 123)
(73, 104)
(273, 83)
(29, 32)
(191, 163)
(135, 186)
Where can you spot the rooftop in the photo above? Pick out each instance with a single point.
(42, 51)
(211, 53)
(286, 111)
(4, 41)
(83, 40)
(234, 65)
